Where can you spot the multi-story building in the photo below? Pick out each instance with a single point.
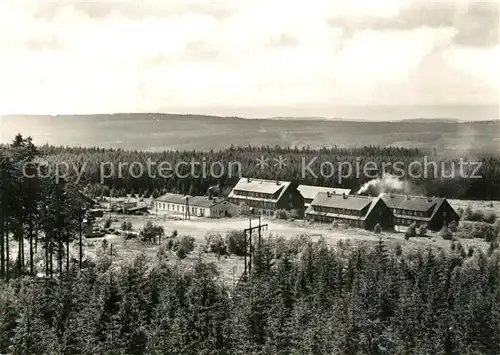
(434, 212)
(266, 196)
(355, 210)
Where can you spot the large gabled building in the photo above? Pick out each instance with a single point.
(310, 192)
(435, 212)
(266, 196)
(356, 210)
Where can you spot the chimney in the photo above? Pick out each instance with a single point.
(328, 194)
(429, 199)
(248, 179)
(407, 197)
(277, 182)
(344, 195)
(214, 199)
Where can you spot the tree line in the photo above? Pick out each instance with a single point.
(441, 175)
(38, 213)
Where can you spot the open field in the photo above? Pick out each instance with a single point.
(186, 132)
(485, 206)
(199, 228)
(232, 266)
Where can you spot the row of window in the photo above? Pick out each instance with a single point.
(326, 219)
(343, 211)
(178, 208)
(252, 194)
(404, 221)
(255, 204)
(409, 213)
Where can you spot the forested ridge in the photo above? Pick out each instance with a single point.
(442, 180)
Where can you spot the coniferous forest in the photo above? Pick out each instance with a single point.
(363, 300)
(427, 172)
(301, 298)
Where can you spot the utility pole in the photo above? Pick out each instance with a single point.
(249, 230)
(250, 242)
(260, 235)
(80, 236)
(187, 215)
(245, 253)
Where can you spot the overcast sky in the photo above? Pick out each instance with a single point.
(220, 56)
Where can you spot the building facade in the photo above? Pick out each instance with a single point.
(355, 210)
(265, 197)
(434, 212)
(310, 192)
(194, 206)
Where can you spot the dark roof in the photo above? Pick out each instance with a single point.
(355, 204)
(349, 202)
(197, 201)
(414, 203)
(411, 203)
(309, 192)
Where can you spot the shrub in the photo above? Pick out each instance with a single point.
(493, 246)
(490, 217)
(481, 230)
(411, 231)
(377, 229)
(445, 233)
(398, 250)
(478, 215)
(475, 216)
(174, 233)
(107, 223)
(130, 236)
(453, 226)
(127, 226)
(169, 245)
(216, 244)
(282, 214)
(150, 232)
(184, 246)
(296, 214)
(235, 241)
(422, 231)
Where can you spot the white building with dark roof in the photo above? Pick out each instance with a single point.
(196, 206)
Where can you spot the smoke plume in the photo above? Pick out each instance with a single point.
(386, 183)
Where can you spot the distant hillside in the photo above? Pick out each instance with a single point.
(170, 131)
